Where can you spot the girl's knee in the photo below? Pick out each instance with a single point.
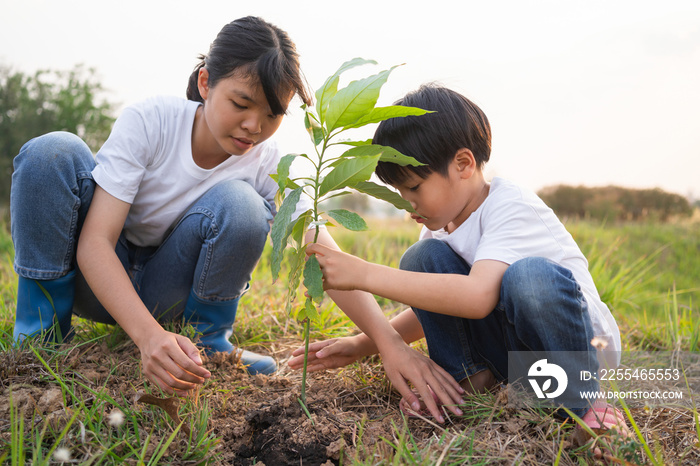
(54, 153)
(238, 208)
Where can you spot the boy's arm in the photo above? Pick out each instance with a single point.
(405, 323)
(401, 362)
(339, 352)
(471, 296)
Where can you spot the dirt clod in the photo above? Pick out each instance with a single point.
(51, 400)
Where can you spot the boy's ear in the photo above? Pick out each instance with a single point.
(465, 162)
(203, 82)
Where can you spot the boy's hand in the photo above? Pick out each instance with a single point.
(341, 271)
(327, 354)
(172, 362)
(404, 364)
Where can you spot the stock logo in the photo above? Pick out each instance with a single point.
(546, 372)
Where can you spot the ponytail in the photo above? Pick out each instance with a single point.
(192, 84)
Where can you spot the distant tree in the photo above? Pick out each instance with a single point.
(566, 201)
(31, 105)
(615, 203)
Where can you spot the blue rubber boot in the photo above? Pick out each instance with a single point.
(214, 320)
(44, 307)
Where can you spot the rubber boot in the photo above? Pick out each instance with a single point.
(214, 320)
(44, 307)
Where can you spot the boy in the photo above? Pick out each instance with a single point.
(494, 270)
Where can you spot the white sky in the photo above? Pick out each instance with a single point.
(577, 92)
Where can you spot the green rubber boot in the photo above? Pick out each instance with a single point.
(44, 307)
(214, 320)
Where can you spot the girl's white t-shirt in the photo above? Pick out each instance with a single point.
(514, 223)
(147, 162)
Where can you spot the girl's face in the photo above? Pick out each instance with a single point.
(237, 113)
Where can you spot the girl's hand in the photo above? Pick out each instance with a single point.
(341, 271)
(328, 354)
(172, 362)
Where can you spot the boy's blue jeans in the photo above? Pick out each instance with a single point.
(541, 308)
(213, 249)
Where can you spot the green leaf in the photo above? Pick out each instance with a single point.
(326, 92)
(301, 226)
(281, 230)
(385, 194)
(296, 266)
(298, 258)
(352, 102)
(356, 143)
(309, 311)
(314, 128)
(387, 154)
(384, 113)
(283, 171)
(349, 172)
(290, 183)
(313, 278)
(336, 194)
(349, 220)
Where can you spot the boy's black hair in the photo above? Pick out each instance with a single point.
(433, 138)
(259, 50)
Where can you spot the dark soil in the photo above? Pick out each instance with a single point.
(353, 414)
(266, 422)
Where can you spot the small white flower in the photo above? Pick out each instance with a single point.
(115, 418)
(62, 455)
(599, 343)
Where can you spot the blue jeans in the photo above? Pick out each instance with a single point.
(212, 250)
(541, 309)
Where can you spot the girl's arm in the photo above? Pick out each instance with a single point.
(471, 296)
(170, 361)
(401, 362)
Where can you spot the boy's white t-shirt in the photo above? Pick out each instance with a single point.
(514, 223)
(147, 162)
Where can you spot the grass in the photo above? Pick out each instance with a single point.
(648, 274)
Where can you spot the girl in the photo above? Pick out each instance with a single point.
(172, 216)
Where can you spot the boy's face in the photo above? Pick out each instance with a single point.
(441, 200)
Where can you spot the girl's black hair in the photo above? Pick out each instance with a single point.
(260, 51)
(433, 138)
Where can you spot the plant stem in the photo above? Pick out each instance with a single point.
(306, 360)
(317, 183)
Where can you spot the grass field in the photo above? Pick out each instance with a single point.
(649, 274)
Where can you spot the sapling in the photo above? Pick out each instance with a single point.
(335, 111)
